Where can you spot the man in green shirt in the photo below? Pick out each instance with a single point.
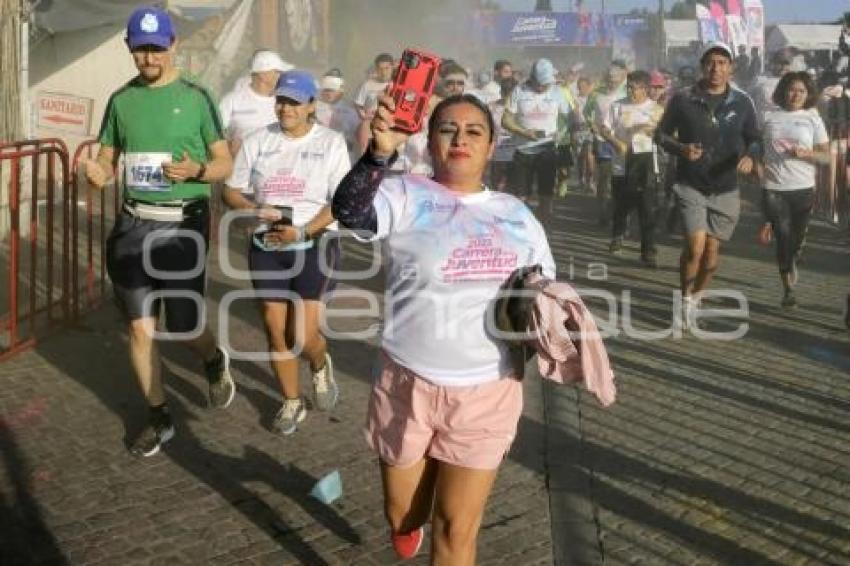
(168, 130)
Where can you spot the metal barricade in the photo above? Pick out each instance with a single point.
(55, 262)
(33, 294)
(98, 217)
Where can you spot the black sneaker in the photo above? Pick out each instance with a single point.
(222, 388)
(159, 431)
(789, 301)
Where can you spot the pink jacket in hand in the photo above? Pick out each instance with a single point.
(568, 344)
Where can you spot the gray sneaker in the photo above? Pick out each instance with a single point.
(325, 389)
(290, 414)
(222, 388)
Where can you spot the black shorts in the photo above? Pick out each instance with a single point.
(177, 265)
(309, 276)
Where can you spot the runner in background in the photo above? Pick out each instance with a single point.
(165, 216)
(596, 111)
(454, 78)
(795, 141)
(503, 155)
(293, 168)
(582, 137)
(531, 115)
(248, 108)
(563, 139)
(502, 69)
(335, 112)
(367, 96)
(629, 128)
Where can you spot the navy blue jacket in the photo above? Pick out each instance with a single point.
(726, 136)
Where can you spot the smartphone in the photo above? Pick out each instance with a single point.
(285, 218)
(412, 88)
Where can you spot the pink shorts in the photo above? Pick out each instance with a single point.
(410, 418)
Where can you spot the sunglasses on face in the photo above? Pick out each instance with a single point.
(455, 83)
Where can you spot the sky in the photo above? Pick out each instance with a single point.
(776, 11)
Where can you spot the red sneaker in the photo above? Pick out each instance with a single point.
(407, 545)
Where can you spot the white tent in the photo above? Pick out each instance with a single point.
(803, 36)
(680, 33)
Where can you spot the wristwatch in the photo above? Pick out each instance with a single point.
(201, 172)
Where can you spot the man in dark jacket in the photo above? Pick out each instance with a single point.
(712, 129)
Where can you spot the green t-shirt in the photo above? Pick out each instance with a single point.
(147, 124)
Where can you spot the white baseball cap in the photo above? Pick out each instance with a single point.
(717, 46)
(329, 82)
(269, 61)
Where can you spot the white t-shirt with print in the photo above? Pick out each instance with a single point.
(537, 111)
(446, 254)
(244, 112)
(784, 130)
(624, 115)
(367, 96)
(299, 172)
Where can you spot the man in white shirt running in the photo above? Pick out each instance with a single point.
(531, 115)
(248, 108)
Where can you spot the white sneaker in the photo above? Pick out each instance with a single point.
(690, 306)
(290, 414)
(325, 389)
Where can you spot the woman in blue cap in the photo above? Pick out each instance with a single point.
(292, 167)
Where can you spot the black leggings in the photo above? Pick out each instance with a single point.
(788, 212)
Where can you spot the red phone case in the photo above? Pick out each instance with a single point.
(412, 88)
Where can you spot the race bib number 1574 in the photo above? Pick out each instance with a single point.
(144, 171)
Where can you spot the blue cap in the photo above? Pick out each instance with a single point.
(298, 85)
(149, 25)
(543, 72)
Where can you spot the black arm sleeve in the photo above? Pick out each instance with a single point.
(353, 202)
(666, 128)
(751, 132)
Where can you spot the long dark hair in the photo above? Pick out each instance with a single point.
(461, 99)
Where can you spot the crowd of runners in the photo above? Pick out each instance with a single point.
(293, 151)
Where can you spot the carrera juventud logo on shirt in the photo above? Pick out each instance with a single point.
(483, 258)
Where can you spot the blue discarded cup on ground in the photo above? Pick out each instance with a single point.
(328, 489)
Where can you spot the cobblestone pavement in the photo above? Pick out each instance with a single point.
(715, 452)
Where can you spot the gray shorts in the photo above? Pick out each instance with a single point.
(715, 214)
